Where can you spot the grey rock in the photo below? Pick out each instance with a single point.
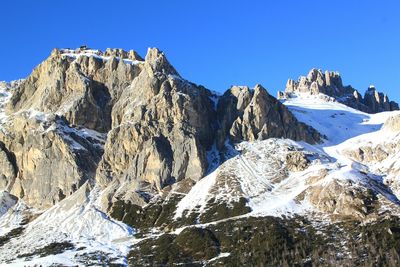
(159, 126)
(8, 168)
(250, 115)
(162, 127)
(49, 160)
(297, 161)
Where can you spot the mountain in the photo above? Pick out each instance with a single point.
(330, 84)
(108, 158)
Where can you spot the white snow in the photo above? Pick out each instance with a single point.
(198, 195)
(96, 54)
(221, 255)
(14, 216)
(77, 219)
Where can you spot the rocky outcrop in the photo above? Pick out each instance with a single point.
(8, 168)
(250, 115)
(330, 84)
(6, 201)
(43, 160)
(297, 161)
(379, 151)
(378, 102)
(342, 198)
(163, 126)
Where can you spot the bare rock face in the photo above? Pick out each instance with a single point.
(378, 102)
(255, 115)
(80, 85)
(342, 198)
(330, 84)
(49, 160)
(297, 161)
(162, 127)
(7, 201)
(8, 168)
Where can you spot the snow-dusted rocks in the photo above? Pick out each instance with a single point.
(6, 202)
(330, 84)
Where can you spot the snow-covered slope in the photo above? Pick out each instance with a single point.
(258, 170)
(76, 221)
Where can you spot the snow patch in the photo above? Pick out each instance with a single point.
(77, 219)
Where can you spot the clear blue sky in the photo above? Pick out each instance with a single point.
(217, 43)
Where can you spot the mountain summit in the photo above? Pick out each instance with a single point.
(109, 158)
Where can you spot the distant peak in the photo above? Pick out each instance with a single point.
(329, 83)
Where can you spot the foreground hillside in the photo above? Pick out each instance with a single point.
(109, 158)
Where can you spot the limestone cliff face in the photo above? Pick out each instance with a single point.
(330, 84)
(43, 160)
(8, 167)
(250, 115)
(162, 127)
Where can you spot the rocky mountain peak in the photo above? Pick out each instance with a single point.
(330, 84)
(159, 62)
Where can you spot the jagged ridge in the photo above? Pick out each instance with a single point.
(330, 84)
